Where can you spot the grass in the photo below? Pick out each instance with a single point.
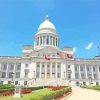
(97, 87)
(42, 94)
(28, 96)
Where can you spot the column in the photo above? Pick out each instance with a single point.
(97, 72)
(46, 70)
(40, 69)
(49, 40)
(92, 72)
(86, 72)
(55, 42)
(39, 40)
(42, 40)
(79, 72)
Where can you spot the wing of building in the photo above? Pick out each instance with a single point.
(46, 64)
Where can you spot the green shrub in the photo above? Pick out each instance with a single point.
(92, 87)
(4, 90)
(51, 94)
(6, 86)
(37, 88)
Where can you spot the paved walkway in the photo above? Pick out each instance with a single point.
(84, 94)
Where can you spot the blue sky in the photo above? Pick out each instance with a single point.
(77, 23)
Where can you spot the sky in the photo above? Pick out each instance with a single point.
(77, 23)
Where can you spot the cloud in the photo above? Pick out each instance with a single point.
(89, 46)
(74, 50)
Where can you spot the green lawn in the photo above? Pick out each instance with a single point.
(97, 87)
(35, 94)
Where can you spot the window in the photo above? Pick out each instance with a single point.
(94, 69)
(11, 66)
(25, 82)
(9, 82)
(43, 69)
(97, 83)
(50, 40)
(68, 66)
(95, 76)
(69, 76)
(40, 40)
(37, 70)
(3, 74)
(17, 74)
(47, 40)
(48, 68)
(76, 75)
(16, 82)
(37, 74)
(81, 68)
(53, 68)
(10, 75)
(18, 66)
(4, 66)
(26, 74)
(82, 75)
(58, 75)
(76, 68)
(26, 65)
(88, 68)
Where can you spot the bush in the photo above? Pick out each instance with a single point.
(36, 88)
(6, 86)
(52, 94)
(4, 90)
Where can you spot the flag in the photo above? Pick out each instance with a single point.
(69, 56)
(46, 57)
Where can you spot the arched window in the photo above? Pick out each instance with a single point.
(40, 40)
(50, 40)
(47, 40)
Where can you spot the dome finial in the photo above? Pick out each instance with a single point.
(46, 18)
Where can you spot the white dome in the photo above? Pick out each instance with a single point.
(46, 24)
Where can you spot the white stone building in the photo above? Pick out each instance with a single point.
(46, 64)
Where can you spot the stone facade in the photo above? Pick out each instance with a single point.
(46, 64)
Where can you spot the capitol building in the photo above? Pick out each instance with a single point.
(47, 64)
